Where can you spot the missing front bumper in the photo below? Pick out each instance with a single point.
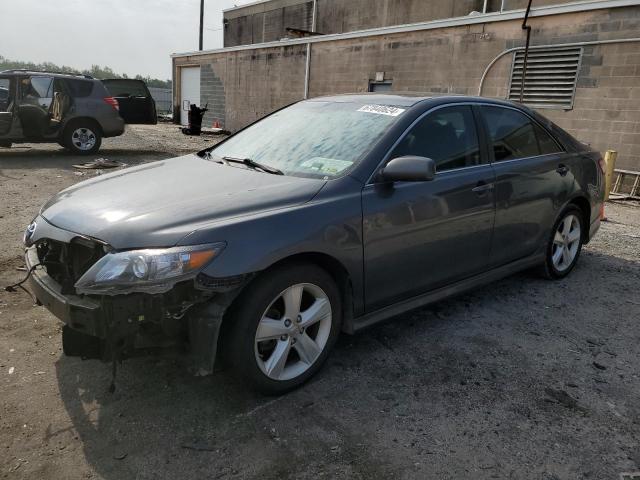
(119, 327)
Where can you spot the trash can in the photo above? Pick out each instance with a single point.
(196, 114)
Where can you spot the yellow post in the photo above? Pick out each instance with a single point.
(610, 162)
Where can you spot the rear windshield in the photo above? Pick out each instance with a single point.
(79, 88)
(126, 88)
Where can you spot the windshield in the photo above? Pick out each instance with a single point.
(312, 139)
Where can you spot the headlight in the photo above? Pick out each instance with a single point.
(153, 270)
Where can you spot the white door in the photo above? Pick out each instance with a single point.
(189, 91)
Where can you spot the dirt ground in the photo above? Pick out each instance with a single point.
(524, 378)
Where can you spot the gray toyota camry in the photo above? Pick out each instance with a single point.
(327, 216)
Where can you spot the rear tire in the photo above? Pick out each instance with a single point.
(564, 245)
(275, 345)
(82, 138)
(5, 144)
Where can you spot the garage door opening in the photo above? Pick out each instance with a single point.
(189, 91)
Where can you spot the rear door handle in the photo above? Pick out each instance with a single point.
(482, 188)
(562, 169)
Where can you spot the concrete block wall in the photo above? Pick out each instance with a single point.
(265, 22)
(606, 110)
(243, 86)
(340, 16)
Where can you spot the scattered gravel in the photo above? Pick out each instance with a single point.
(524, 378)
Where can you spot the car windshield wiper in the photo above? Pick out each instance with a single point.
(253, 164)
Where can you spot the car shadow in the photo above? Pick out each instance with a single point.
(478, 352)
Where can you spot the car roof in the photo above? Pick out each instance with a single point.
(20, 72)
(408, 99)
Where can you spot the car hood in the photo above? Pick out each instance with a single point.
(157, 204)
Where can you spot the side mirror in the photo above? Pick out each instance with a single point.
(409, 169)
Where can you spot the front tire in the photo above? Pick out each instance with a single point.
(565, 244)
(82, 138)
(283, 327)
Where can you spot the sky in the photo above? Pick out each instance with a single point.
(130, 36)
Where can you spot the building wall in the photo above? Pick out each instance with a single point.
(243, 86)
(340, 16)
(268, 21)
(606, 110)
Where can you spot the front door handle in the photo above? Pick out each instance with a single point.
(562, 169)
(482, 188)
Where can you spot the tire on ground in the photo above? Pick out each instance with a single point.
(238, 344)
(548, 269)
(73, 139)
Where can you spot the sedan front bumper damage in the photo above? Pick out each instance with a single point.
(113, 328)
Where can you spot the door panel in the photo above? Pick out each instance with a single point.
(419, 236)
(6, 100)
(135, 103)
(528, 193)
(529, 188)
(35, 97)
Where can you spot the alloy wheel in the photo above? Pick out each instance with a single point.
(566, 242)
(293, 331)
(83, 139)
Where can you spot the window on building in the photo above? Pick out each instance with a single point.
(448, 136)
(550, 79)
(514, 135)
(380, 86)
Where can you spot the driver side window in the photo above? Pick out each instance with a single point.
(448, 136)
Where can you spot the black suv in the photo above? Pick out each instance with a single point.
(76, 111)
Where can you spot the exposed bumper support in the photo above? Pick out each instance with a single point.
(120, 326)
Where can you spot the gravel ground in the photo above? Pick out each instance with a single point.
(524, 378)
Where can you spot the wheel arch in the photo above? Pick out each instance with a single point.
(333, 267)
(328, 263)
(82, 121)
(585, 207)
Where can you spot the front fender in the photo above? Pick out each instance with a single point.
(331, 224)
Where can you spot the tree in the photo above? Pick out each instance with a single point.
(95, 71)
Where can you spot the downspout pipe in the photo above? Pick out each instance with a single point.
(526, 50)
(307, 67)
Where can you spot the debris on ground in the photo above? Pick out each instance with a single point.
(100, 163)
(562, 397)
(599, 366)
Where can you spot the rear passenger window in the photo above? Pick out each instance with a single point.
(448, 136)
(79, 88)
(545, 142)
(514, 135)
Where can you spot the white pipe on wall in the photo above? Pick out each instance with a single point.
(557, 45)
(307, 66)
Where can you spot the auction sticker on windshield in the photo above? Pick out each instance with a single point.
(328, 166)
(382, 110)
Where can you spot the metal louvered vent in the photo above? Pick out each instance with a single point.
(551, 77)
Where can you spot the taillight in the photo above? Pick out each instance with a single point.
(602, 165)
(113, 102)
